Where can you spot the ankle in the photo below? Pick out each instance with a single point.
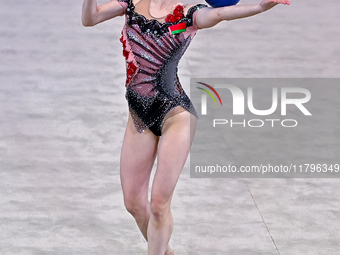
(169, 251)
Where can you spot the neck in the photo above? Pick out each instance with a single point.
(162, 4)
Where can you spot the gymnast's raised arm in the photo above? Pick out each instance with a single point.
(209, 17)
(93, 14)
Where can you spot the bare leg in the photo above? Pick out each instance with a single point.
(137, 158)
(173, 149)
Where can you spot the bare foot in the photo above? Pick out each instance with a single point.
(169, 251)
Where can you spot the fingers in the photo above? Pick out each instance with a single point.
(268, 4)
(275, 2)
(287, 2)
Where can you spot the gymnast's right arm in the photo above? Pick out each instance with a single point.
(93, 14)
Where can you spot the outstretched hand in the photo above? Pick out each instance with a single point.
(268, 4)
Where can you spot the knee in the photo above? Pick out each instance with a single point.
(134, 206)
(159, 207)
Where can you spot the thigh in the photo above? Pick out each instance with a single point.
(173, 149)
(136, 161)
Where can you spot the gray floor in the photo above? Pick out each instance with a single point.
(62, 119)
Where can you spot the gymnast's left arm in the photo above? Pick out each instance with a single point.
(209, 17)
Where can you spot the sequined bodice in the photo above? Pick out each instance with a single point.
(152, 54)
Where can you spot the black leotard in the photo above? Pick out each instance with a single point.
(152, 53)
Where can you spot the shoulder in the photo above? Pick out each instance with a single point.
(129, 2)
(191, 8)
(190, 11)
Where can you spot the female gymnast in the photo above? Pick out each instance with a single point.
(162, 119)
